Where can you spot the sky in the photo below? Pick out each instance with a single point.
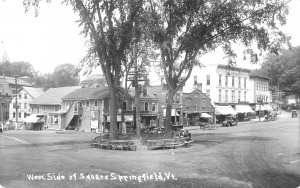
(53, 37)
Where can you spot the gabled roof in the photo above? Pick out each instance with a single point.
(33, 91)
(90, 94)
(53, 96)
(20, 81)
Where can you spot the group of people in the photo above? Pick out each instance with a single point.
(186, 135)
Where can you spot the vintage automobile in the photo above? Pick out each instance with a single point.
(230, 121)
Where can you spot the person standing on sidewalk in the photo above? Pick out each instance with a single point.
(1, 127)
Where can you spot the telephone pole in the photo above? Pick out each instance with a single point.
(137, 75)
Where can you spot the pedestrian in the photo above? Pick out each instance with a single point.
(1, 127)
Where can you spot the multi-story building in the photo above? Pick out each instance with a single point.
(8, 89)
(261, 95)
(161, 92)
(225, 86)
(88, 109)
(24, 96)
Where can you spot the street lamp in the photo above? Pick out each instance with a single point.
(260, 102)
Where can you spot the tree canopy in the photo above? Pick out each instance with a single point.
(65, 75)
(19, 68)
(283, 70)
(185, 30)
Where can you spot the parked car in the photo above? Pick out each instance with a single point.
(230, 121)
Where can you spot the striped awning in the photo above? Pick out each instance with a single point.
(225, 110)
(243, 109)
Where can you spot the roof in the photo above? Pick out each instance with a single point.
(33, 91)
(12, 80)
(259, 77)
(90, 93)
(232, 68)
(53, 96)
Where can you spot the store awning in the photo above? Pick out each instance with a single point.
(225, 110)
(34, 118)
(260, 107)
(205, 115)
(243, 109)
(172, 113)
(268, 107)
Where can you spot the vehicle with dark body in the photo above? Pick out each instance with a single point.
(230, 121)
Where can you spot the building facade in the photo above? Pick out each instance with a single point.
(50, 105)
(25, 95)
(89, 109)
(225, 86)
(8, 89)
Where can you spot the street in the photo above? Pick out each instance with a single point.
(252, 154)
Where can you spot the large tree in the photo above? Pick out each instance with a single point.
(65, 75)
(18, 68)
(186, 29)
(109, 24)
(283, 70)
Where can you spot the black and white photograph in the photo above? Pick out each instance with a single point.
(149, 93)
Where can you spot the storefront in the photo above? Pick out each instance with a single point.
(244, 112)
(223, 111)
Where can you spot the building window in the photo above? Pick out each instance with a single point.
(245, 96)
(266, 98)
(239, 82)
(96, 103)
(203, 104)
(14, 115)
(25, 105)
(232, 81)
(87, 103)
(75, 107)
(220, 80)
(20, 96)
(226, 95)
(80, 104)
(153, 107)
(195, 80)
(226, 80)
(239, 95)
(20, 115)
(208, 80)
(25, 95)
(146, 106)
(233, 96)
(220, 92)
(125, 105)
(245, 82)
(208, 93)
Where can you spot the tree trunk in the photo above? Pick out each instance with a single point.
(113, 112)
(168, 123)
